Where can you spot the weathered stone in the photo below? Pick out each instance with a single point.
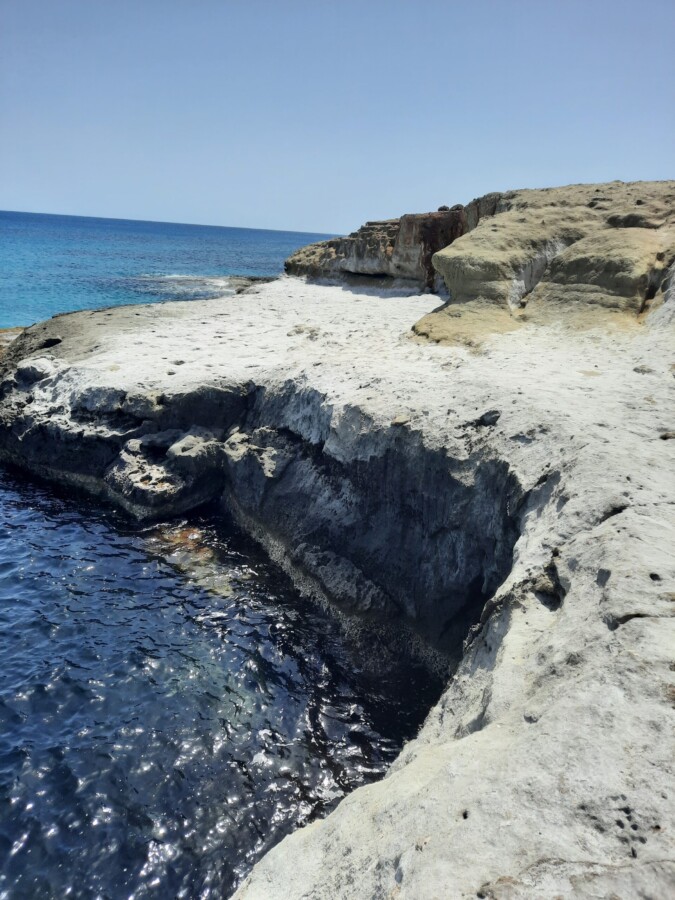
(561, 251)
(397, 249)
(7, 335)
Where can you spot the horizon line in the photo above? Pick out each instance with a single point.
(25, 212)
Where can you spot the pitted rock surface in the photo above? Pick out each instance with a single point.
(576, 251)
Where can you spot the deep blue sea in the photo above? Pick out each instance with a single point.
(53, 264)
(170, 707)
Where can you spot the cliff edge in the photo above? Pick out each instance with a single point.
(395, 249)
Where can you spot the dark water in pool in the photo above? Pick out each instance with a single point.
(169, 707)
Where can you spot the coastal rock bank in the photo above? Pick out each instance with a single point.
(517, 255)
(362, 511)
(395, 249)
(521, 488)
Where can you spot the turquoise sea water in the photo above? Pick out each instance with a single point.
(169, 706)
(53, 264)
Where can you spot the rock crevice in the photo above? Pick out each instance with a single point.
(386, 527)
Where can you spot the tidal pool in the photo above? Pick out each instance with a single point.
(169, 706)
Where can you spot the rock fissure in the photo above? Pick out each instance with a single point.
(403, 531)
(528, 277)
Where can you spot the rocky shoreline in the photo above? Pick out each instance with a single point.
(502, 476)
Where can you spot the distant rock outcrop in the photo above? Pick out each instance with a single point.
(392, 249)
(507, 257)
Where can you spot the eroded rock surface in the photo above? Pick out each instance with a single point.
(7, 335)
(399, 249)
(522, 489)
(364, 511)
(569, 251)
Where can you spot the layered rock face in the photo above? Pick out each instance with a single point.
(386, 527)
(399, 249)
(562, 251)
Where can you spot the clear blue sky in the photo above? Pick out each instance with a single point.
(317, 114)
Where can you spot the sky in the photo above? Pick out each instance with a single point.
(316, 115)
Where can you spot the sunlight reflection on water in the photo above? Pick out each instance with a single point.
(169, 707)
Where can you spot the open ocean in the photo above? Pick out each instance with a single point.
(53, 264)
(170, 707)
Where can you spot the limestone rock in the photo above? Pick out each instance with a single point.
(7, 335)
(561, 251)
(395, 249)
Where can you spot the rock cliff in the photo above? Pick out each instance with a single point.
(400, 249)
(516, 494)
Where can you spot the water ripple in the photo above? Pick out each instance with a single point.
(169, 707)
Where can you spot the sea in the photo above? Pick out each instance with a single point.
(55, 264)
(170, 706)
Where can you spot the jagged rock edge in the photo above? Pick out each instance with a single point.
(295, 424)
